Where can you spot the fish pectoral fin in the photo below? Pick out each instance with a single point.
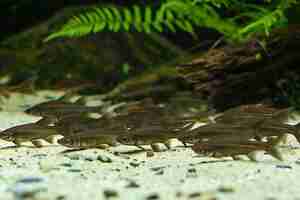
(37, 143)
(50, 139)
(156, 147)
(168, 144)
(81, 101)
(17, 142)
(140, 147)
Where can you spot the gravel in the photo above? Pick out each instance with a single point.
(117, 173)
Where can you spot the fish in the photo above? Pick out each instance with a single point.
(29, 132)
(252, 114)
(221, 132)
(71, 125)
(95, 141)
(274, 128)
(248, 148)
(218, 132)
(82, 132)
(145, 139)
(58, 109)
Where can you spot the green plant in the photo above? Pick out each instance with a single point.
(248, 18)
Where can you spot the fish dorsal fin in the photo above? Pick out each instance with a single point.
(46, 121)
(66, 97)
(80, 101)
(282, 115)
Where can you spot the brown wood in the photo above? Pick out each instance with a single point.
(232, 75)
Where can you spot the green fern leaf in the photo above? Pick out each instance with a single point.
(148, 19)
(137, 18)
(118, 19)
(128, 19)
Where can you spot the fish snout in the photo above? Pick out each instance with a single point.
(188, 139)
(33, 111)
(65, 141)
(4, 135)
(126, 140)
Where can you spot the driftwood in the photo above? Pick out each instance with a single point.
(232, 75)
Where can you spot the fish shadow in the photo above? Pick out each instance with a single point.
(72, 150)
(132, 152)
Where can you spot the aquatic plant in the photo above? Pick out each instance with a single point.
(244, 19)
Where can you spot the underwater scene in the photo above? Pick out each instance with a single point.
(150, 100)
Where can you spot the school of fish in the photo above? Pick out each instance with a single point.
(240, 130)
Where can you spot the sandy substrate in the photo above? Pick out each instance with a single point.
(126, 173)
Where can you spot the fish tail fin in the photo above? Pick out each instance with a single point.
(297, 132)
(276, 153)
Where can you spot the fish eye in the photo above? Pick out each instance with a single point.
(65, 141)
(7, 137)
(124, 139)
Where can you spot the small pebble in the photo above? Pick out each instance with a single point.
(226, 189)
(152, 197)
(157, 168)
(30, 179)
(149, 154)
(74, 170)
(161, 172)
(66, 164)
(104, 159)
(132, 184)
(89, 159)
(26, 191)
(41, 155)
(61, 197)
(179, 194)
(134, 164)
(110, 193)
(192, 170)
(46, 166)
(73, 156)
(284, 167)
(194, 195)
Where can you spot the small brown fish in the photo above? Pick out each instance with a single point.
(233, 149)
(252, 114)
(70, 126)
(274, 128)
(57, 109)
(218, 132)
(98, 141)
(28, 132)
(82, 132)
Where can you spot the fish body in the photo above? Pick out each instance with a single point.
(218, 132)
(58, 109)
(69, 126)
(145, 139)
(234, 149)
(88, 133)
(252, 114)
(88, 141)
(27, 132)
(273, 128)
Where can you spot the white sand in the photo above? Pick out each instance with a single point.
(47, 173)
